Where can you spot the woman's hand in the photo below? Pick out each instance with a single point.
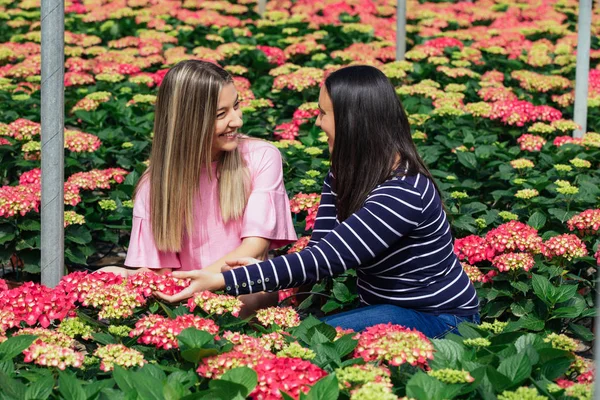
(238, 262)
(201, 280)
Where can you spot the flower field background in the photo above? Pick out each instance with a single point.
(488, 87)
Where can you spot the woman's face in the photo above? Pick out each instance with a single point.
(325, 119)
(228, 121)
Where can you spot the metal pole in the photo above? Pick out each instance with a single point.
(53, 106)
(583, 66)
(595, 346)
(400, 29)
(262, 5)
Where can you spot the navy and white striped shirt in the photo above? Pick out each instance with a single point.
(399, 242)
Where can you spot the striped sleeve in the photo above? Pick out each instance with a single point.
(390, 212)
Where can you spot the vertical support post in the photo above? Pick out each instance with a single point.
(262, 5)
(584, 25)
(400, 29)
(52, 153)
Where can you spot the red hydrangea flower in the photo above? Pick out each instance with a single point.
(513, 261)
(530, 142)
(306, 202)
(51, 355)
(567, 245)
(275, 55)
(394, 344)
(36, 304)
(162, 332)
(475, 274)
(474, 249)
(443, 42)
(287, 131)
(587, 222)
(149, 282)
(513, 236)
(285, 317)
(213, 303)
(291, 375)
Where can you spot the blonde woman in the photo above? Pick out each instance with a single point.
(209, 194)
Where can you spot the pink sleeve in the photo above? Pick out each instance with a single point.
(268, 213)
(142, 251)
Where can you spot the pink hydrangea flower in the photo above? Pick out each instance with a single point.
(162, 332)
(213, 303)
(474, 249)
(395, 345)
(567, 246)
(513, 262)
(513, 236)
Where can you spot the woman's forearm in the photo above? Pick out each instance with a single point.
(254, 247)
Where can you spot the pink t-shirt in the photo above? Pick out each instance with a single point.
(267, 215)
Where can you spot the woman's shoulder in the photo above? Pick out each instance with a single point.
(406, 186)
(257, 151)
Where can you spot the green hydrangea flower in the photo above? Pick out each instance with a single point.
(294, 349)
(522, 393)
(109, 205)
(477, 342)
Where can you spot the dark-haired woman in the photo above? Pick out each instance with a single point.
(380, 213)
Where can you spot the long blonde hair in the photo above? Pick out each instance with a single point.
(184, 127)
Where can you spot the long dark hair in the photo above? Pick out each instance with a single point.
(371, 130)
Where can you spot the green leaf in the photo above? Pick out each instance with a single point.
(517, 368)
(327, 333)
(132, 178)
(79, 235)
(581, 331)
(15, 345)
(147, 386)
(521, 286)
(11, 387)
(345, 345)
(330, 305)
(243, 376)
(6, 233)
(537, 220)
(69, 387)
(531, 322)
(543, 289)
(194, 338)
(498, 380)
(341, 292)
(554, 362)
(123, 378)
(467, 159)
(225, 390)
(467, 331)
(564, 293)
(423, 386)
(529, 339)
(285, 396)
(196, 344)
(559, 214)
(472, 208)
(30, 225)
(448, 354)
(104, 338)
(565, 312)
(325, 389)
(40, 389)
(95, 387)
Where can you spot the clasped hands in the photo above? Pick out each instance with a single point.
(202, 280)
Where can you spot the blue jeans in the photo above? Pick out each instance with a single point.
(433, 326)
